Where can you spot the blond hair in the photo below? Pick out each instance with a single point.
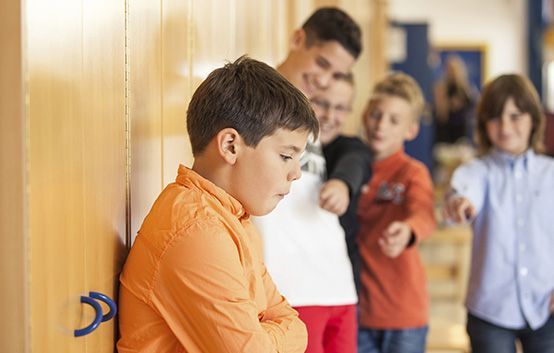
(398, 84)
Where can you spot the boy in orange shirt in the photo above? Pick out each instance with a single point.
(395, 212)
(195, 280)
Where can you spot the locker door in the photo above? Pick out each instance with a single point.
(56, 185)
(104, 155)
(77, 167)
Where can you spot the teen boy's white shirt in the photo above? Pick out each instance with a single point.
(304, 245)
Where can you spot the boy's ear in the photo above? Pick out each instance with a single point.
(298, 40)
(413, 130)
(229, 143)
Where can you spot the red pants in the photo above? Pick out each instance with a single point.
(331, 329)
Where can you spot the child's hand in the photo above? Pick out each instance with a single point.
(395, 239)
(334, 196)
(459, 209)
(552, 303)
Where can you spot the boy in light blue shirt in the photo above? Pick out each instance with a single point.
(507, 196)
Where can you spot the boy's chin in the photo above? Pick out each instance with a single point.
(263, 210)
(327, 139)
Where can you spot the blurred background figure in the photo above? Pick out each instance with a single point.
(454, 99)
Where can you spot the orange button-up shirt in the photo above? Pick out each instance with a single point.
(195, 280)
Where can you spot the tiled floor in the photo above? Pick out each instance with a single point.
(447, 328)
(446, 257)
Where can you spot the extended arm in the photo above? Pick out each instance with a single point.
(348, 163)
(421, 205)
(466, 194)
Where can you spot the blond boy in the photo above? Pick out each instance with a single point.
(395, 212)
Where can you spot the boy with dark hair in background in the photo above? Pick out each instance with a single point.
(308, 258)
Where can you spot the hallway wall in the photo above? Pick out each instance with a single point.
(498, 24)
(12, 191)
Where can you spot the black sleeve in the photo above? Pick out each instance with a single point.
(348, 159)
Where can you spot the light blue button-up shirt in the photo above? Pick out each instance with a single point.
(512, 268)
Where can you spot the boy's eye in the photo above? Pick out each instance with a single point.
(324, 64)
(374, 115)
(342, 109)
(515, 116)
(285, 157)
(324, 105)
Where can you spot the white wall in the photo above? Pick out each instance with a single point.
(501, 25)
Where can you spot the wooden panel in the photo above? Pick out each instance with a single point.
(223, 33)
(145, 106)
(191, 48)
(104, 154)
(13, 303)
(176, 86)
(56, 175)
(370, 67)
(261, 30)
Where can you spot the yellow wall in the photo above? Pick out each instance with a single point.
(12, 177)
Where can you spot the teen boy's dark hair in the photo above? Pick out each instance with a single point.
(252, 98)
(494, 96)
(331, 23)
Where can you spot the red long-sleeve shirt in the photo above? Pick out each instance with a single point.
(394, 290)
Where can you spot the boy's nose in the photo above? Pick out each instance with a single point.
(504, 124)
(296, 172)
(380, 123)
(323, 80)
(325, 116)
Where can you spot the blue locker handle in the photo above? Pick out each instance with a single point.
(97, 318)
(108, 301)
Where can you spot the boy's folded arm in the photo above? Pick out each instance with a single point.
(202, 293)
(281, 320)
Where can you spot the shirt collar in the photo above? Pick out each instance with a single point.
(390, 161)
(189, 178)
(525, 159)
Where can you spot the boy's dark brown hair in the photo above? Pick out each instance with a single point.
(251, 97)
(494, 97)
(330, 23)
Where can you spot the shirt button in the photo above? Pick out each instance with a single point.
(518, 174)
(523, 271)
(522, 247)
(519, 198)
(520, 222)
